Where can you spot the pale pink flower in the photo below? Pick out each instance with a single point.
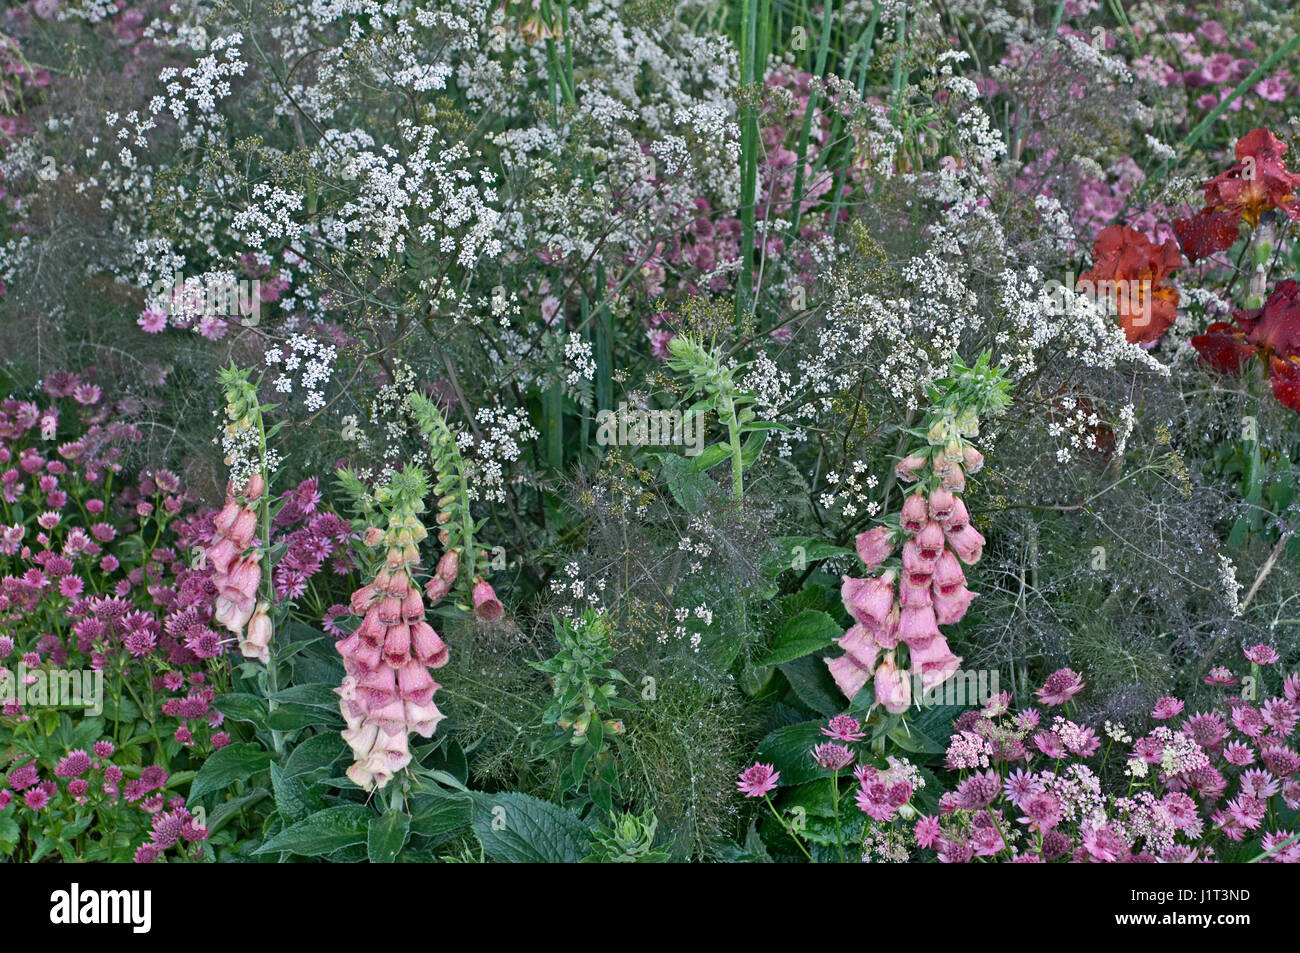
(152, 320)
(874, 546)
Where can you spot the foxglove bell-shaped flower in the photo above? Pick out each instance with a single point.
(893, 687)
(950, 607)
(869, 600)
(907, 467)
(967, 543)
(237, 570)
(486, 605)
(937, 539)
(387, 692)
(916, 626)
(941, 503)
(915, 512)
(257, 637)
(934, 662)
(849, 674)
(874, 546)
(914, 590)
(948, 577)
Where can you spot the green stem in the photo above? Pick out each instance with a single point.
(787, 828)
(737, 464)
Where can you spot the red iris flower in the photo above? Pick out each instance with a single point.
(1257, 182)
(1270, 333)
(1129, 268)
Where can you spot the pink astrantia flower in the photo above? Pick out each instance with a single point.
(1060, 687)
(927, 830)
(758, 779)
(844, 728)
(152, 320)
(1166, 708)
(1261, 654)
(832, 756)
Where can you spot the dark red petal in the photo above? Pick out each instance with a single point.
(1207, 232)
(1223, 348)
(1275, 326)
(1285, 378)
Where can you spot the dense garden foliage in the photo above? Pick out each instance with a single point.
(642, 431)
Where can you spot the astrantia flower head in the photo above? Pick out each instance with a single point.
(1220, 676)
(1060, 687)
(844, 728)
(1166, 708)
(832, 756)
(73, 765)
(758, 779)
(1261, 654)
(927, 830)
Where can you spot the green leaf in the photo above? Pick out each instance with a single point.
(234, 808)
(227, 765)
(912, 739)
(293, 799)
(757, 425)
(242, 706)
(689, 487)
(436, 815)
(316, 693)
(517, 828)
(709, 459)
(10, 833)
(323, 832)
(808, 631)
(798, 553)
(316, 752)
(387, 836)
(293, 716)
(812, 684)
(752, 447)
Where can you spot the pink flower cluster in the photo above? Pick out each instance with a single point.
(388, 691)
(237, 571)
(908, 604)
(1212, 776)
